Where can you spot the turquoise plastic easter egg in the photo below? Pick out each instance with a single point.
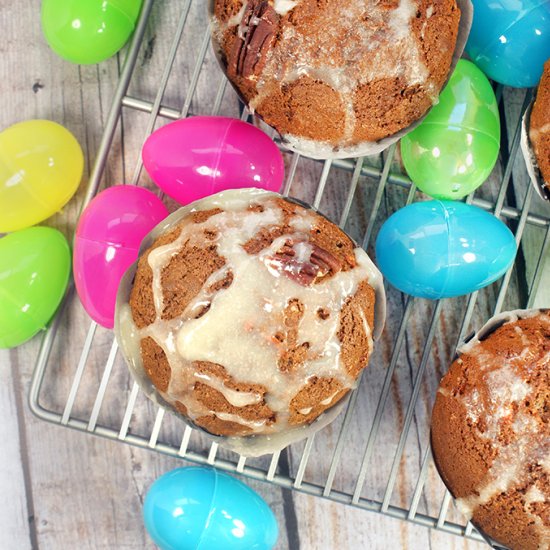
(35, 264)
(510, 40)
(88, 31)
(453, 151)
(199, 508)
(441, 249)
(41, 167)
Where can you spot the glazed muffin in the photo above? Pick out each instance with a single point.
(337, 73)
(539, 127)
(491, 431)
(251, 314)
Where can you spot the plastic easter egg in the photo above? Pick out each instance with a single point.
(195, 157)
(35, 264)
(199, 508)
(88, 31)
(510, 40)
(41, 166)
(455, 148)
(441, 249)
(107, 241)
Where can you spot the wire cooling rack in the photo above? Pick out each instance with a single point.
(376, 455)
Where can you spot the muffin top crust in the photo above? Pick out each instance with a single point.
(337, 71)
(539, 128)
(491, 432)
(253, 315)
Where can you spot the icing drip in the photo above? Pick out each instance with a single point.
(236, 326)
(236, 19)
(506, 470)
(254, 425)
(325, 56)
(282, 7)
(429, 13)
(535, 133)
(329, 399)
(234, 397)
(533, 496)
(505, 390)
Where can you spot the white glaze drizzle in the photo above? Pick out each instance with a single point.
(507, 469)
(329, 399)
(533, 496)
(234, 397)
(237, 18)
(282, 7)
(254, 425)
(242, 341)
(429, 13)
(535, 133)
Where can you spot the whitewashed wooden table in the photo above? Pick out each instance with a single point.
(61, 489)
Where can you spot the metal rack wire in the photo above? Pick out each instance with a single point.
(343, 463)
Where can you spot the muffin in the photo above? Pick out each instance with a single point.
(539, 127)
(251, 314)
(491, 431)
(333, 74)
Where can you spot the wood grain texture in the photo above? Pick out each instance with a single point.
(64, 489)
(14, 524)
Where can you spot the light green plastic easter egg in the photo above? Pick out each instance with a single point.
(88, 31)
(35, 264)
(456, 147)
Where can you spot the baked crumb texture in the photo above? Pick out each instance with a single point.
(341, 72)
(253, 321)
(491, 433)
(539, 127)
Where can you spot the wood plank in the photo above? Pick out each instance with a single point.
(327, 524)
(14, 513)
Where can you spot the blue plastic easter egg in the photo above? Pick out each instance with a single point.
(441, 249)
(510, 40)
(199, 508)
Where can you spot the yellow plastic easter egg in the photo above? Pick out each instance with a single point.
(41, 167)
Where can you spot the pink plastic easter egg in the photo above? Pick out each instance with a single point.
(107, 241)
(195, 157)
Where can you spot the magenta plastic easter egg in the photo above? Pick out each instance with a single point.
(195, 157)
(107, 241)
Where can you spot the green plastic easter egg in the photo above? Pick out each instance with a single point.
(456, 147)
(41, 167)
(88, 31)
(35, 264)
